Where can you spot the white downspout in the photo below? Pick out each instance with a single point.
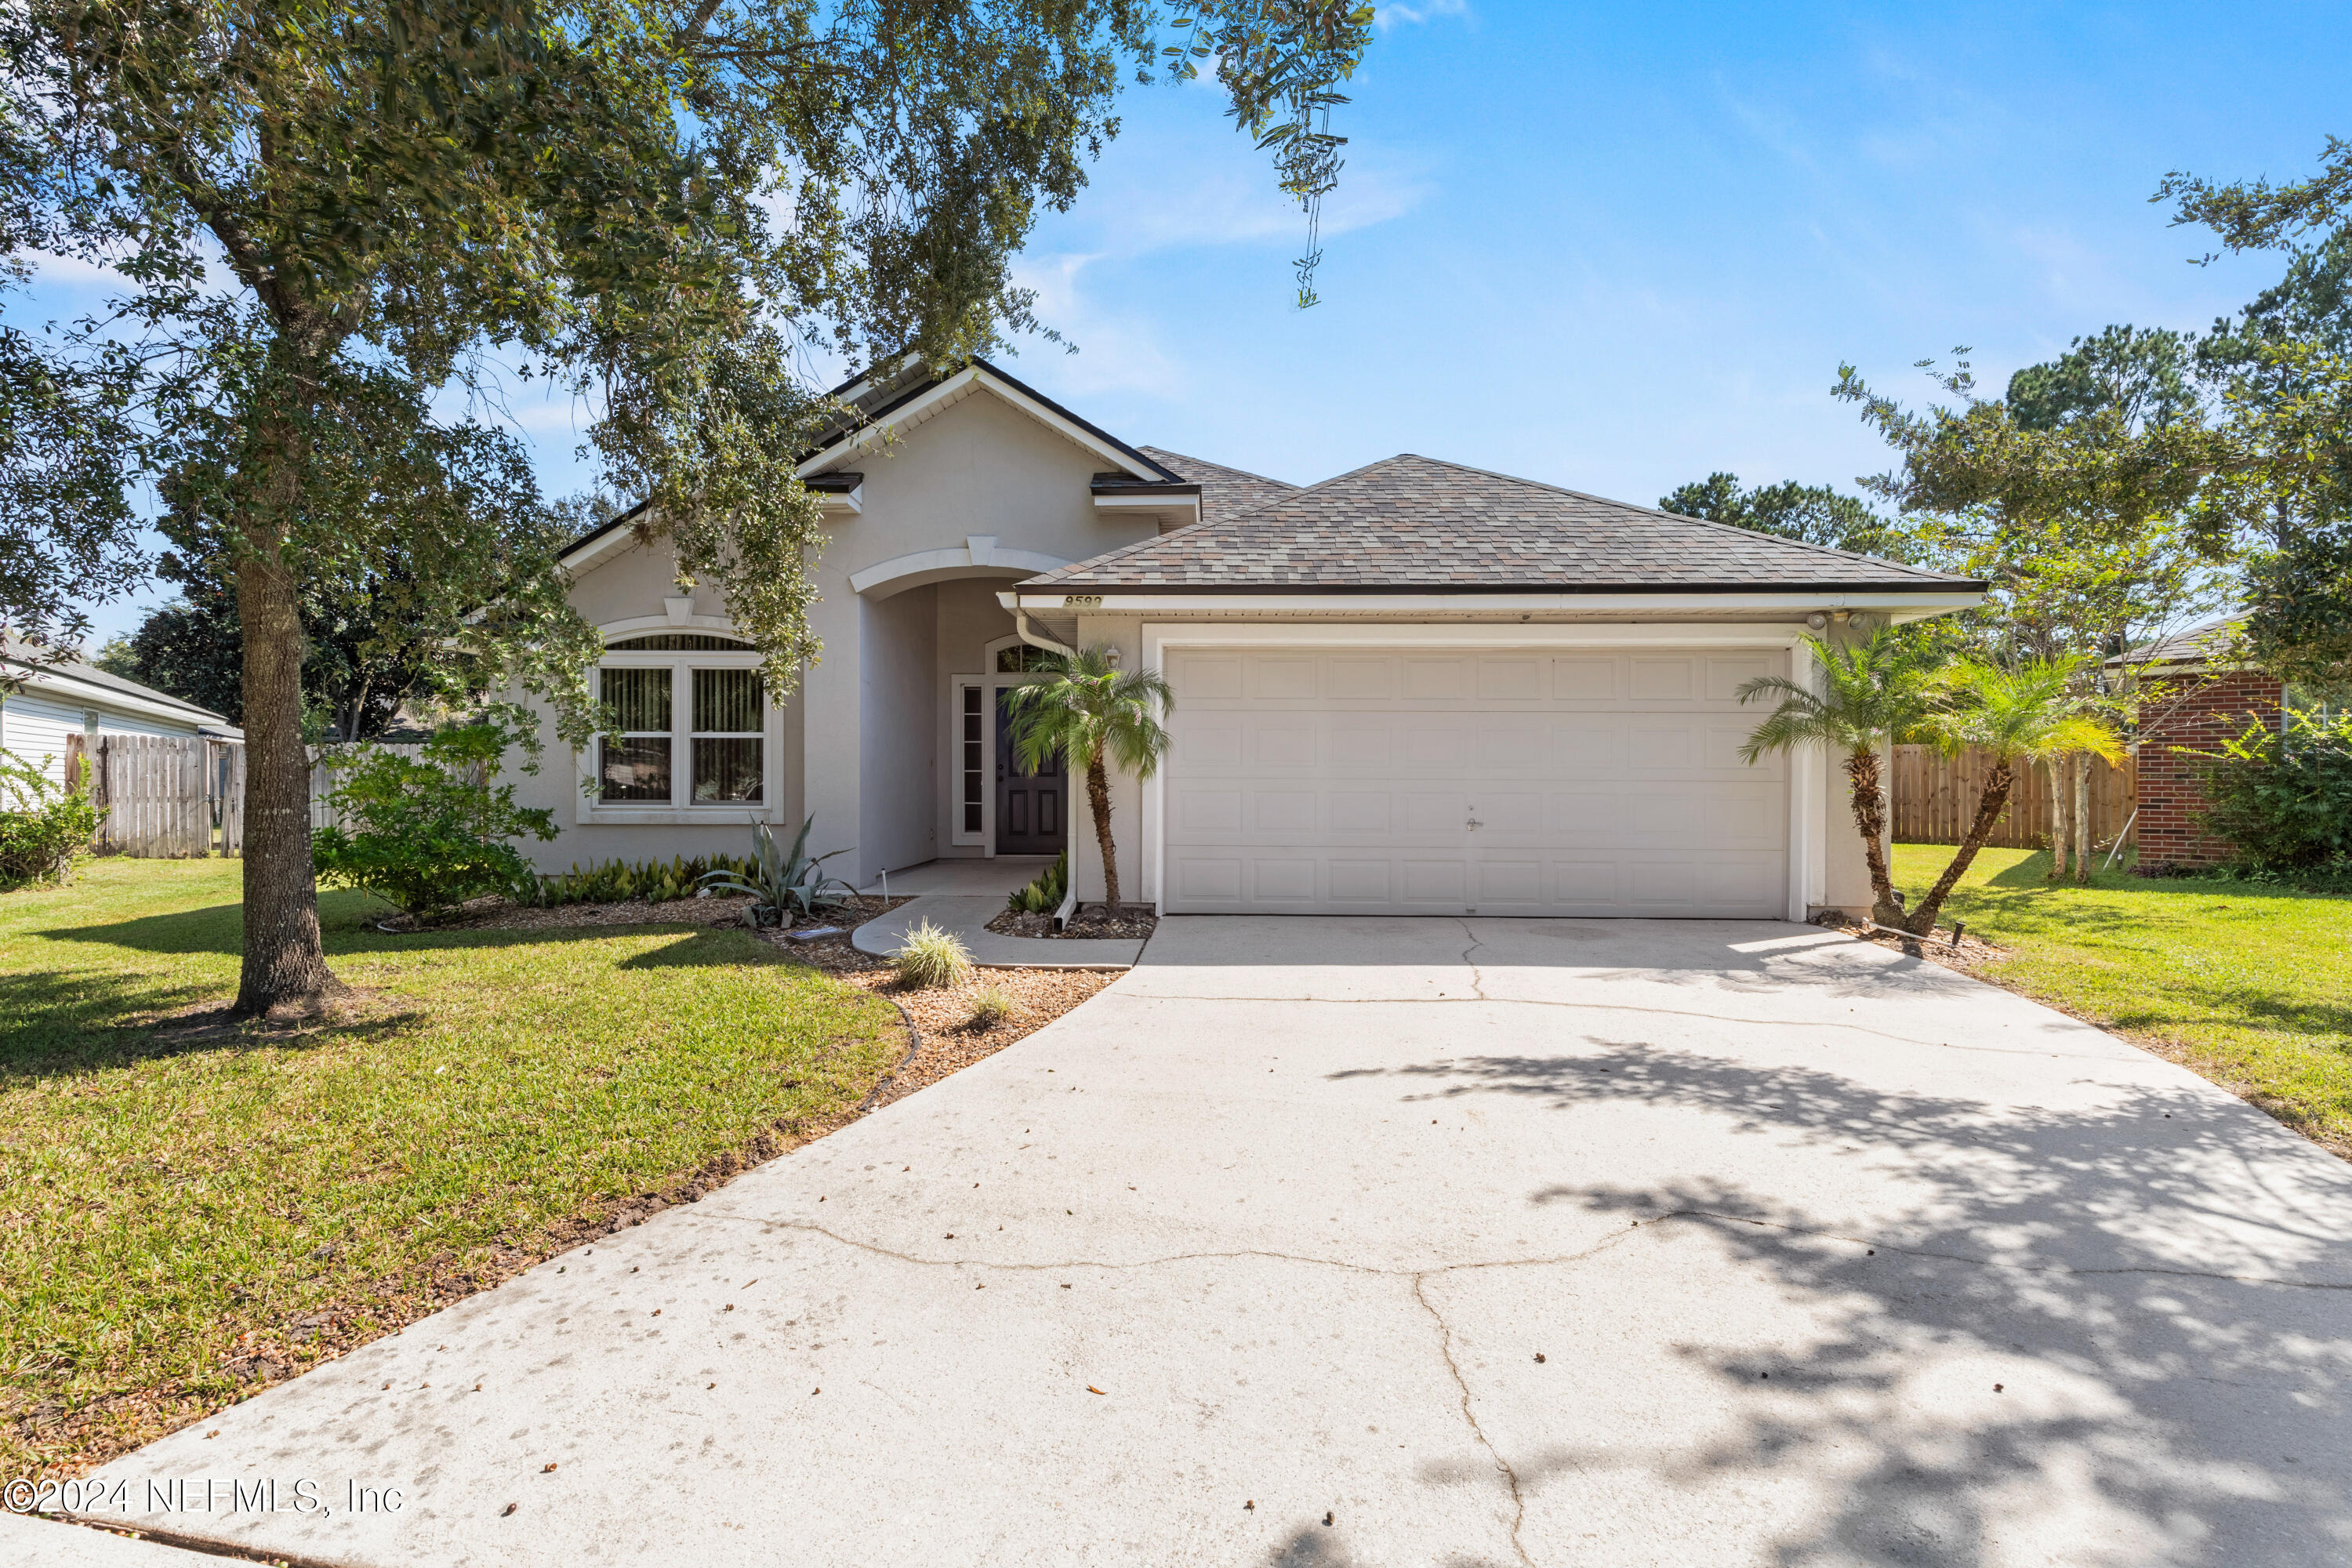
(1029, 634)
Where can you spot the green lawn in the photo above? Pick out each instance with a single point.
(183, 1219)
(2250, 986)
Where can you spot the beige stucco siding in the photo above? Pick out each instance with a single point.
(861, 743)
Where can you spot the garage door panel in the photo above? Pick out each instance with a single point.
(1432, 811)
(1206, 677)
(1727, 674)
(1660, 748)
(1276, 746)
(1590, 678)
(1435, 882)
(1654, 679)
(1514, 680)
(1279, 678)
(1510, 747)
(1426, 678)
(1587, 748)
(1598, 783)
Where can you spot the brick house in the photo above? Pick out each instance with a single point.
(2197, 698)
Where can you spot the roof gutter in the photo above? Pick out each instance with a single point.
(1029, 634)
(1472, 601)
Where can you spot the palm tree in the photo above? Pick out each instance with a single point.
(1872, 693)
(1092, 712)
(2025, 715)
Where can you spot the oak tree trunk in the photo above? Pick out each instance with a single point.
(1861, 771)
(1922, 920)
(1099, 797)
(285, 965)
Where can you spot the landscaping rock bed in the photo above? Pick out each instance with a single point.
(1966, 954)
(1090, 921)
(942, 1017)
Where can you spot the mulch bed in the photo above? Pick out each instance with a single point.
(947, 1037)
(1967, 954)
(1088, 920)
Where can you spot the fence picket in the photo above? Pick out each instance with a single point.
(1935, 796)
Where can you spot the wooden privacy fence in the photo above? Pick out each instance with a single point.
(161, 796)
(325, 779)
(1936, 799)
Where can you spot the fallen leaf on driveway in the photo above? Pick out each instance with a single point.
(1092, 1389)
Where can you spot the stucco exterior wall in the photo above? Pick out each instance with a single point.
(980, 469)
(859, 744)
(899, 812)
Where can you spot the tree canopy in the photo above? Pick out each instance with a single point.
(335, 226)
(1813, 514)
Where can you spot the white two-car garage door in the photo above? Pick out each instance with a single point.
(1540, 782)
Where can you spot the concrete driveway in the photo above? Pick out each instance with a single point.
(1411, 1242)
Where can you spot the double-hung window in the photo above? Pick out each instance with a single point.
(689, 723)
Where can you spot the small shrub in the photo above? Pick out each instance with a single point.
(929, 956)
(783, 885)
(429, 832)
(1044, 895)
(990, 1007)
(2283, 797)
(44, 826)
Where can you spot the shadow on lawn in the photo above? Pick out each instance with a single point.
(2169, 1274)
(87, 1016)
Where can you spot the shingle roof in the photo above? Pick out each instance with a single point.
(30, 662)
(1224, 492)
(2198, 644)
(1416, 522)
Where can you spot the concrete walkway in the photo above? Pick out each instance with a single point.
(962, 896)
(1411, 1243)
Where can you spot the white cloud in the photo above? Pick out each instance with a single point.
(1422, 11)
(1117, 350)
(69, 271)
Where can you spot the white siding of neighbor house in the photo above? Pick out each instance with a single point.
(33, 727)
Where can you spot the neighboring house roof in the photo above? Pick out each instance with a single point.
(2208, 643)
(1418, 523)
(1224, 492)
(73, 679)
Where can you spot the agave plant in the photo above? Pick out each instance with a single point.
(782, 884)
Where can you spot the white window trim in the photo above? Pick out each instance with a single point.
(992, 684)
(594, 811)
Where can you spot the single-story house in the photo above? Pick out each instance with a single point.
(1413, 689)
(44, 703)
(2197, 694)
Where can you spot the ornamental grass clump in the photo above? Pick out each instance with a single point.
(929, 956)
(990, 1007)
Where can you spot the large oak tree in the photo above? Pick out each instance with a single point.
(334, 219)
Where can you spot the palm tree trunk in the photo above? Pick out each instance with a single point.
(1922, 920)
(2058, 839)
(1099, 797)
(1862, 773)
(2082, 765)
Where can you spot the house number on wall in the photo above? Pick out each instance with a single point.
(1082, 601)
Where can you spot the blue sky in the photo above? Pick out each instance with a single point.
(1618, 247)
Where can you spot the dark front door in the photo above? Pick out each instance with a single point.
(1032, 809)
